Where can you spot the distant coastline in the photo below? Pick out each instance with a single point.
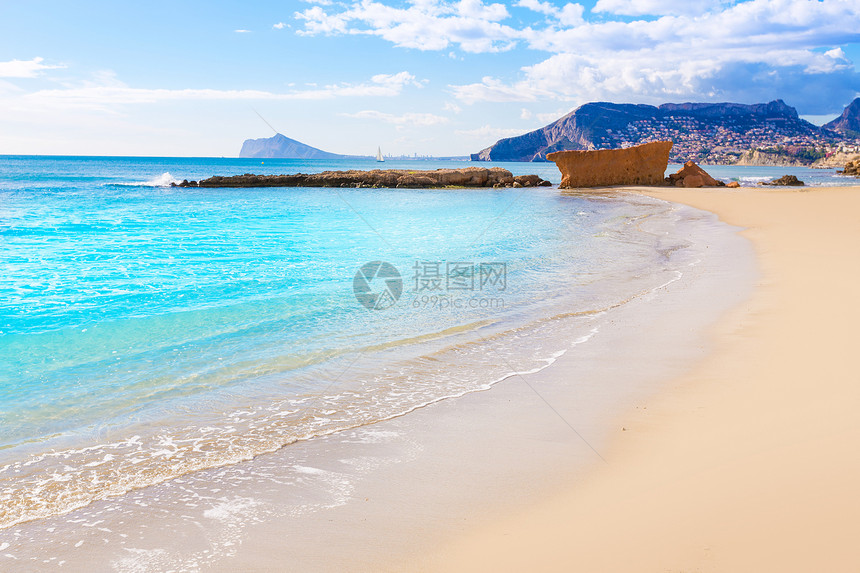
(713, 134)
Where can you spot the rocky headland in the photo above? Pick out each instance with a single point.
(715, 133)
(851, 168)
(640, 165)
(495, 177)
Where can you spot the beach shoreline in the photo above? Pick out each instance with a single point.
(748, 463)
(396, 489)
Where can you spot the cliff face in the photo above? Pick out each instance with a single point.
(282, 147)
(756, 157)
(702, 131)
(640, 165)
(577, 130)
(849, 121)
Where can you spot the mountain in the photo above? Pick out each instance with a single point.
(849, 122)
(282, 147)
(703, 132)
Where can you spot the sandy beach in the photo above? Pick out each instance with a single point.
(749, 462)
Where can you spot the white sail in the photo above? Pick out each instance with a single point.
(379, 154)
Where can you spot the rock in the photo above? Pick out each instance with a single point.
(517, 184)
(639, 165)
(468, 177)
(851, 168)
(785, 181)
(698, 177)
(693, 181)
(733, 184)
(529, 180)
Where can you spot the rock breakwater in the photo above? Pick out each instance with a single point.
(389, 178)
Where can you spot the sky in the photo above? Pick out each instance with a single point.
(426, 77)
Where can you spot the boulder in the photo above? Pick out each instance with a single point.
(698, 177)
(851, 168)
(733, 184)
(785, 181)
(693, 181)
(640, 165)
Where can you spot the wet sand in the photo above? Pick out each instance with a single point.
(749, 461)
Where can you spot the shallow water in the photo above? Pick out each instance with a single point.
(149, 331)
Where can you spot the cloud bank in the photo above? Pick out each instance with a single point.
(629, 50)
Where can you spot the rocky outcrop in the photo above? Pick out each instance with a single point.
(468, 177)
(849, 122)
(733, 184)
(851, 168)
(785, 181)
(640, 165)
(837, 160)
(691, 175)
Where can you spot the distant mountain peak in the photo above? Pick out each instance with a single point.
(718, 132)
(280, 146)
(849, 121)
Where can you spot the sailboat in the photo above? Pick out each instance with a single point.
(379, 155)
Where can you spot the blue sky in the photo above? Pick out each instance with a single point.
(422, 76)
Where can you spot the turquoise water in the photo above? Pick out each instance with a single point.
(148, 331)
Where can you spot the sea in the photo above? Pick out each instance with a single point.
(148, 331)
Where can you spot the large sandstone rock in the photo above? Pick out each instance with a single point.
(468, 177)
(851, 168)
(691, 175)
(640, 165)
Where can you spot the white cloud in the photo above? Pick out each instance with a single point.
(553, 115)
(687, 49)
(525, 114)
(451, 106)
(425, 25)
(489, 132)
(280, 26)
(568, 15)
(656, 7)
(242, 31)
(108, 91)
(25, 68)
(406, 119)
(491, 89)
(754, 49)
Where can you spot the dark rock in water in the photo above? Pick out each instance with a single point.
(785, 181)
(400, 178)
(531, 181)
